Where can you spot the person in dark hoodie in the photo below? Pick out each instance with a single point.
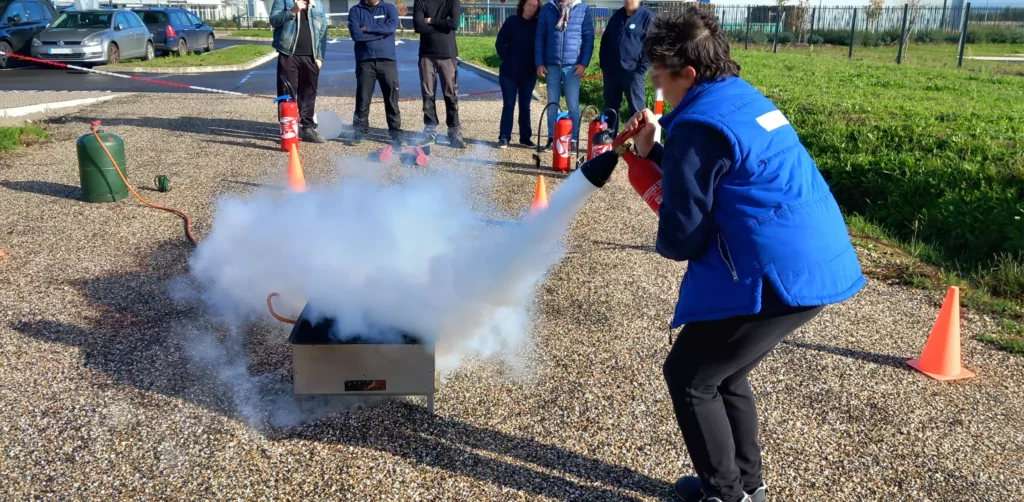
(767, 248)
(436, 22)
(622, 59)
(372, 25)
(517, 74)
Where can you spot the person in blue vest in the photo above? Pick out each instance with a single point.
(767, 247)
(622, 58)
(564, 46)
(517, 75)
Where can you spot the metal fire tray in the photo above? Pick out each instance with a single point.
(325, 364)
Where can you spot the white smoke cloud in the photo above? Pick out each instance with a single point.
(413, 255)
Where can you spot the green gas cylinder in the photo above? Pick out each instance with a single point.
(100, 181)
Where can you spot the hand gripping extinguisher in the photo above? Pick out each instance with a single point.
(644, 174)
(600, 136)
(288, 116)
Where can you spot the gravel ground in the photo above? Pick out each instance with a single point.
(15, 99)
(98, 398)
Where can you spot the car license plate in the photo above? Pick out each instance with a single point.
(60, 51)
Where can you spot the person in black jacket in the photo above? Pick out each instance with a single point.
(436, 22)
(622, 60)
(517, 75)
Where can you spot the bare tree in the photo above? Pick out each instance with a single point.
(801, 19)
(874, 11)
(912, 14)
(402, 8)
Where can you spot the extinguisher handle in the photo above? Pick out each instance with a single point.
(279, 99)
(629, 133)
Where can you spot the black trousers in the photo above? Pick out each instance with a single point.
(383, 72)
(706, 372)
(633, 85)
(448, 69)
(303, 74)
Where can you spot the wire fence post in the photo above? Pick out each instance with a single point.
(814, 14)
(963, 34)
(942, 20)
(903, 34)
(746, 41)
(778, 23)
(853, 29)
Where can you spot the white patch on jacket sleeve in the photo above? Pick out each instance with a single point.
(379, 17)
(772, 120)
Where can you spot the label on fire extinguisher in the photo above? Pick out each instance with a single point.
(289, 128)
(653, 194)
(599, 149)
(562, 146)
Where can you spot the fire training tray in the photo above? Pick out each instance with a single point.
(326, 364)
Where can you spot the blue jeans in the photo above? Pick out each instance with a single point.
(513, 90)
(559, 79)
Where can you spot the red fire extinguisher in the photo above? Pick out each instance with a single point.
(596, 127)
(288, 116)
(562, 151)
(645, 176)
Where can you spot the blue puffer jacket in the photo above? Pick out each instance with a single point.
(774, 218)
(286, 27)
(573, 46)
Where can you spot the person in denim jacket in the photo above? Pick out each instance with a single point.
(300, 38)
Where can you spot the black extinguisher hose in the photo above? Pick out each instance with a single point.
(615, 114)
(288, 87)
(540, 120)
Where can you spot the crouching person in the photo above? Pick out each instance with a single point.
(300, 38)
(767, 246)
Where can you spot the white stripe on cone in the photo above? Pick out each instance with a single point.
(659, 103)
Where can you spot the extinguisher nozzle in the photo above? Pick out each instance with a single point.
(598, 170)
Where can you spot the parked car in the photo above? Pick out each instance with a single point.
(176, 30)
(20, 22)
(95, 36)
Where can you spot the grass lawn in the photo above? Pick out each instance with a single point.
(13, 137)
(919, 155)
(237, 54)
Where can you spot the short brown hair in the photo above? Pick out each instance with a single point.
(691, 38)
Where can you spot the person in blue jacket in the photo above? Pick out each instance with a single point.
(767, 247)
(564, 46)
(517, 74)
(622, 58)
(372, 25)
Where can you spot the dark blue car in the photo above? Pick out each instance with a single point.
(176, 31)
(20, 22)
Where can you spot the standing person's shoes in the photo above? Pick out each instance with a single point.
(503, 143)
(396, 140)
(527, 142)
(455, 141)
(688, 489)
(429, 138)
(760, 494)
(547, 146)
(311, 135)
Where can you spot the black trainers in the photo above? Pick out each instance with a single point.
(503, 143)
(428, 138)
(455, 141)
(358, 138)
(547, 146)
(527, 142)
(688, 489)
(397, 142)
(309, 134)
(760, 494)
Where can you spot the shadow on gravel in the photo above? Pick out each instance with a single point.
(409, 431)
(58, 190)
(519, 168)
(605, 246)
(142, 339)
(871, 357)
(214, 128)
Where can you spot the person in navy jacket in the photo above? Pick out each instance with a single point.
(767, 247)
(372, 25)
(622, 58)
(517, 74)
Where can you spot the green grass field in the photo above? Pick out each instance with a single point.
(13, 137)
(237, 54)
(919, 154)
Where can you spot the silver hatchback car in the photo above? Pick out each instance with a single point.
(94, 36)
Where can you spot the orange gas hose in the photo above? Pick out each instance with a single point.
(188, 222)
(270, 307)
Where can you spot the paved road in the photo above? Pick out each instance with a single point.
(336, 79)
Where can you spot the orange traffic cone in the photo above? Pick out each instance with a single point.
(941, 356)
(296, 181)
(540, 197)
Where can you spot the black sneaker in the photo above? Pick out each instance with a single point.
(358, 138)
(397, 142)
(455, 141)
(503, 143)
(760, 494)
(528, 142)
(688, 489)
(309, 134)
(547, 146)
(428, 138)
